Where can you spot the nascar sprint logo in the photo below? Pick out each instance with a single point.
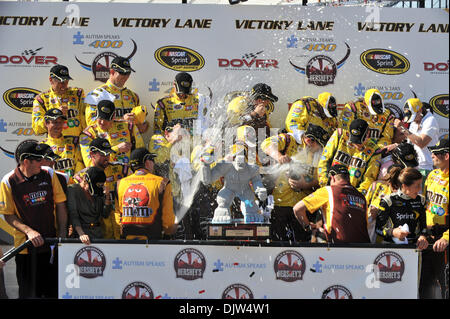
(385, 61)
(20, 99)
(439, 103)
(179, 58)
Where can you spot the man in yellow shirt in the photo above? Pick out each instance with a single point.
(145, 200)
(123, 137)
(437, 200)
(321, 111)
(67, 99)
(126, 102)
(289, 189)
(372, 110)
(355, 150)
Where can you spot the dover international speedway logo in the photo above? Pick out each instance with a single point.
(385, 61)
(179, 58)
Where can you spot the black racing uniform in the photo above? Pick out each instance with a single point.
(398, 209)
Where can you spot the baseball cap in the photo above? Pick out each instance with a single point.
(54, 114)
(358, 131)
(105, 110)
(264, 91)
(318, 134)
(29, 149)
(101, 145)
(441, 146)
(60, 72)
(405, 154)
(183, 82)
(48, 152)
(96, 178)
(121, 65)
(139, 156)
(338, 169)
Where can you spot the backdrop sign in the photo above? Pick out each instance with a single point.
(299, 51)
(134, 271)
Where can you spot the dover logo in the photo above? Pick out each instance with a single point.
(179, 58)
(20, 99)
(439, 103)
(137, 290)
(289, 266)
(385, 61)
(189, 264)
(91, 262)
(237, 291)
(321, 70)
(249, 61)
(390, 267)
(29, 58)
(101, 64)
(337, 292)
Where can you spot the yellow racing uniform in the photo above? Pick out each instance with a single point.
(74, 99)
(437, 193)
(145, 205)
(70, 161)
(363, 165)
(283, 194)
(125, 101)
(381, 127)
(118, 133)
(308, 110)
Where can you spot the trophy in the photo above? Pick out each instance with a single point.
(241, 180)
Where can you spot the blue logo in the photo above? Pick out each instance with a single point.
(3, 125)
(292, 42)
(219, 265)
(359, 90)
(67, 296)
(78, 38)
(154, 85)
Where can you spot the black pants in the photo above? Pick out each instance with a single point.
(285, 226)
(432, 273)
(45, 281)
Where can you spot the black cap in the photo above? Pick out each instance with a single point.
(54, 114)
(29, 149)
(139, 156)
(317, 133)
(96, 178)
(105, 110)
(440, 147)
(183, 82)
(48, 152)
(405, 154)
(121, 65)
(101, 145)
(60, 72)
(338, 169)
(262, 90)
(358, 131)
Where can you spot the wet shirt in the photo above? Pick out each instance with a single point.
(437, 198)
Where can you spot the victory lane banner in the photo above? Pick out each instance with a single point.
(159, 271)
(297, 50)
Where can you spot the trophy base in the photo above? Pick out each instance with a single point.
(237, 229)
